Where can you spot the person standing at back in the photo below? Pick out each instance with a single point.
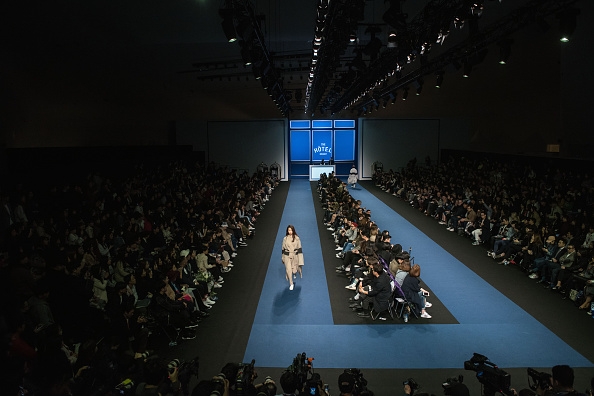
(353, 176)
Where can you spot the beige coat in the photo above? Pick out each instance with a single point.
(291, 250)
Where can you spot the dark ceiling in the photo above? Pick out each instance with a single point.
(177, 48)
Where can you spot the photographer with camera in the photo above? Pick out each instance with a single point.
(159, 379)
(289, 383)
(410, 387)
(562, 382)
(352, 383)
(346, 384)
(219, 385)
(455, 387)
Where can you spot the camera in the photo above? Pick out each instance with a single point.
(268, 388)
(539, 379)
(218, 385)
(412, 384)
(245, 377)
(449, 383)
(360, 385)
(301, 367)
(489, 375)
(312, 385)
(185, 371)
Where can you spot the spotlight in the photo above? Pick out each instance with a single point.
(257, 72)
(229, 29)
(467, 69)
(439, 78)
(392, 43)
(476, 8)
(567, 23)
(504, 50)
(246, 56)
(418, 83)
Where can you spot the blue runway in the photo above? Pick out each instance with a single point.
(292, 322)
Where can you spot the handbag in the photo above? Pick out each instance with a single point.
(573, 294)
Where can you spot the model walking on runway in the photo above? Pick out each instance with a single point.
(353, 177)
(292, 255)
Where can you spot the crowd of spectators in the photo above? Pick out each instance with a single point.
(92, 270)
(538, 219)
(377, 270)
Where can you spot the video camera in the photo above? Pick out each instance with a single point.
(245, 377)
(539, 380)
(489, 375)
(360, 382)
(302, 367)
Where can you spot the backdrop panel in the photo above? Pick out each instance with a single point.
(245, 144)
(396, 142)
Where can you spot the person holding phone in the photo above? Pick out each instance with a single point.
(415, 293)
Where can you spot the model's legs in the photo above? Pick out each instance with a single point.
(289, 271)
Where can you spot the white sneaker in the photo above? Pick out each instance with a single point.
(291, 287)
(230, 265)
(233, 254)
(352, 286)
(425, 315)
(330, 229)
(209, 301)
(428, 304)
(217, 286)
(338, 248)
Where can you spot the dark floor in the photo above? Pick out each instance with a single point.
(223, 336)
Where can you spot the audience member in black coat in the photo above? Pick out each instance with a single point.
(413, 291)
(379, 289)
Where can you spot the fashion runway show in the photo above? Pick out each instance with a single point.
(477, 306)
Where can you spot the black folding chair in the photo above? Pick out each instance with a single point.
(399, 302)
